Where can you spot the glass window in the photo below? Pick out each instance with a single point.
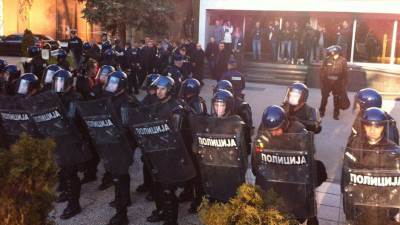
(373, 42)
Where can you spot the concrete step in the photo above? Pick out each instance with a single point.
(275, 66)
(273, 80)
(274, 70)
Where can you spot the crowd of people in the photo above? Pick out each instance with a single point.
(288, 42)
(93, 115)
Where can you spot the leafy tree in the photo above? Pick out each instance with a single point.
(27, 180)
(116, 15)
(250, 206)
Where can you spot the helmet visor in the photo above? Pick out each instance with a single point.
(48, 77)
(23, 87)
(294, 97)
(112, 84)
(59, 84)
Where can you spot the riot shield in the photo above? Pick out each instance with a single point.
(163, 147)
(107, 134)
(285, 165)
(221, 155)
(15, 118)
(371, 185)
(49, 115)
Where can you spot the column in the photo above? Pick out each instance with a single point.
(353, 39)
(394, 38)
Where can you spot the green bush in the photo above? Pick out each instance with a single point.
(251, 206)
(27, 180)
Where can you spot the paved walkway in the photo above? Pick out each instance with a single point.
(329, 144)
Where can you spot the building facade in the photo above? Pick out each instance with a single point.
(370, 21)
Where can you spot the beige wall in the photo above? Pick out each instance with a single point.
(49, 17)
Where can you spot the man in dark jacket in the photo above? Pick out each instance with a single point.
(211, 54)
(198, 63)
(221, 61)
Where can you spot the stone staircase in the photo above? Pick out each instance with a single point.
(282, 74)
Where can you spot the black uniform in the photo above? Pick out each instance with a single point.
(175, 73)
(37, 66)
(306, 115)
(243, 109)
(334, 79)
(285, 164)
(75, 45)
(370, 182)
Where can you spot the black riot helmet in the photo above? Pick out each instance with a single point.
(62, 54)
(48, 73)
(223, 85)
(116, 82)
(62, 80)
(103, 73)
(27, 83)
(3, 64)
(109, 53)
(190, 87)
(106, 45)
(367, 98)
(150, 79)
(274, 117)
(165, 82)
(11, 73)
(334, 49)
(33, 51)
(86, 46)
(374, 122)
(226, 97)
(296, 94)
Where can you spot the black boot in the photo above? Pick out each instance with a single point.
(336, 109)
(120, 218)
(171, 204)
(106, 181)
(62, 197)
(73, 193)
(187, 194)
(312, 221)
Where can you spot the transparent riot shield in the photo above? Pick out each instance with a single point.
(15, 119)
(285, 165)
(163, 147)
(220, 154)
(371, 183)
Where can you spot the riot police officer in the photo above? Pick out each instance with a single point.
(279, 170)
(189, 93)
(62, 59)
(367, 98)
(14, 114)
(108, 58)
(169, 108)
(27, 85)
(37, 64)
(333, 77)
(151, 89)
(195, 105)
(175, 72)
(10, 76)
(75, 45)
(135, 76)
(242, 109)
(235, 77)
(71, 148)
(149, 99)
(220, 149)
(100, 80)
(47, 77)
(295, 105)
(112, 141)
(3, 64)
(370, 173)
